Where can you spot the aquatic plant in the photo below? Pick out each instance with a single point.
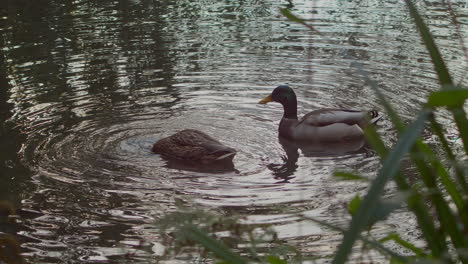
(446, 230)
(209, 234)
(10, 251)
(438, 197)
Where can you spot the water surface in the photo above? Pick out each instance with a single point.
(91, 86)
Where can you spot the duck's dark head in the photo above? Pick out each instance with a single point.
(284, 95)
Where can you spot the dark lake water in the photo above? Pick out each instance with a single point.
(88, 86)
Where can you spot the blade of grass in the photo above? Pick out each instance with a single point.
(375, 141)
(459, 115)
(457, 27)
(218, 248)
(443, 74)
(427, 157)
(349, 176)
(430, 169)
(397, 239)
(275, 260)
(435, 240)
(353, 205)
(439, 64)
(426, 173)
(459, 173)
(449, 98)
(290, 16)
(374, 244)
(444, 213)
(389, 169)
(388, 108)
(449, 186)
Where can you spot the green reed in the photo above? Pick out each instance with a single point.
(449, 231)
(438, 198)
(10, 250)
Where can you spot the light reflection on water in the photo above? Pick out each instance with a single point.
(97, 84)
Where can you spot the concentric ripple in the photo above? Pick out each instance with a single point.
(94, 85)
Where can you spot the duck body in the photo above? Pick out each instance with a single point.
(323, 125)
(193, 145)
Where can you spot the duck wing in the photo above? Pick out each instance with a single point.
(326, 117)
(192, 144)
(191, 137)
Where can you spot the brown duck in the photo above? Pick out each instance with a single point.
(193, 145)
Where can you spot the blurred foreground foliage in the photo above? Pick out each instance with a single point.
(10, 250)
(438, 198)
(210, 234)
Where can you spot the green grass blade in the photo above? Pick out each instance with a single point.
(349, 176)
(218, 248)
(374, 244)
(415, 202)
(427, 160)
(375, 141)
(443, 74)
(459, 115)
(426, 173)
(275, 260)
(449, 98)
(459, 172)
(388, 108)
(353, 205)
(290, 16)
(444, 213)
(449, 185)
(389, 169)
(439, 64)
(395, 237)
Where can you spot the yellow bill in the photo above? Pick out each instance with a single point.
(266, 100)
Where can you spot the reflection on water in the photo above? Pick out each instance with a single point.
(329, 149)
(92, 85)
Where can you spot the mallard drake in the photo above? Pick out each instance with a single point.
(193, 145)
(319, 125)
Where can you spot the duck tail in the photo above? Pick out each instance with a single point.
(228, 155)
(374, 116)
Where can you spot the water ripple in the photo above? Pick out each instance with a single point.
(97, 86)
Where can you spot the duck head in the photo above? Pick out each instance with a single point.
(282, 94)
(286, 96)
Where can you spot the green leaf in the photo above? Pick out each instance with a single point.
(275, 260)
(375, 141)
(217, 247)
(385, 208)
(439, 65)
(443, 74)
(395, 237)
(375, 244)
(459, 172)
(290, 16)
(369, 204)
(415, 202)
(349, 176)
(354, 204)
(392, 114)
(448, 98)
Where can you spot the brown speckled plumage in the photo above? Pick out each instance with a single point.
(193, 145)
